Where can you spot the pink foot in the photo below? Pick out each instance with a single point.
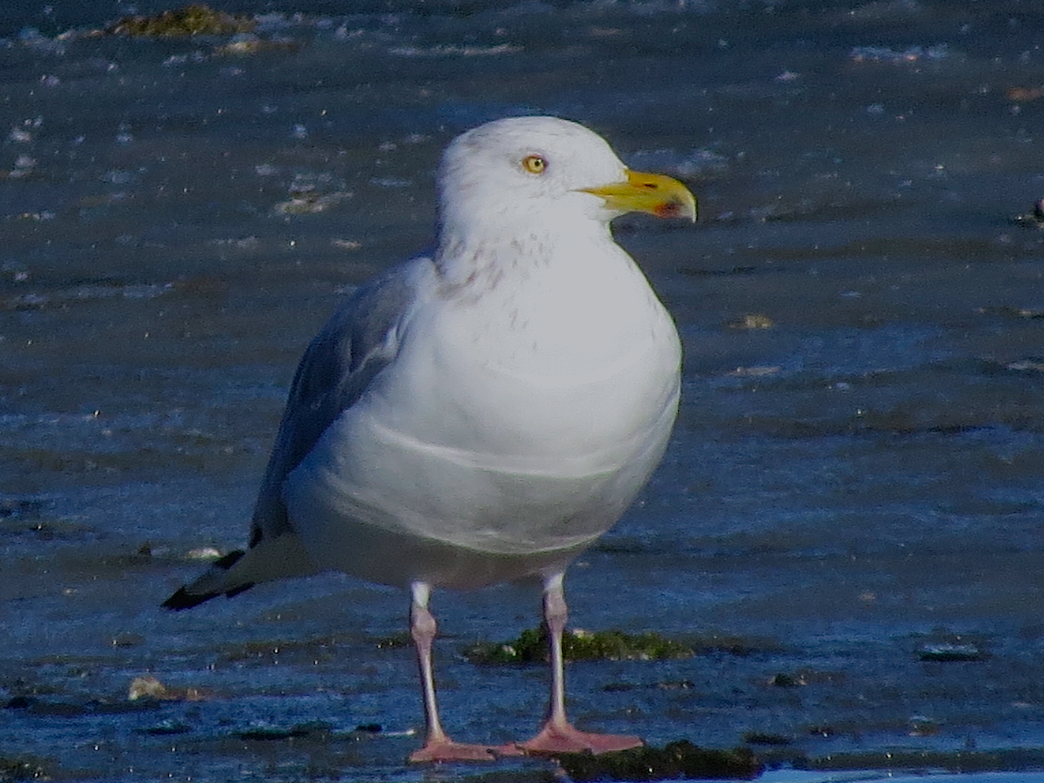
(448, 750)
(566, 739)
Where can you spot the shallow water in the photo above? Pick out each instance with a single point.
(853, 496)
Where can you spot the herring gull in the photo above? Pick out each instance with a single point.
(482, 413)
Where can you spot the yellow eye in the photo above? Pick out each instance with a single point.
(534, 164)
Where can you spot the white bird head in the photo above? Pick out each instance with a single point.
(544, 171)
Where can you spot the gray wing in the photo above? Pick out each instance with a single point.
(359, 340)
(339, 365)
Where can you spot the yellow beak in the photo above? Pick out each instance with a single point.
(653, 193)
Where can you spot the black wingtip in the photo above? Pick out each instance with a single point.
(183, 599)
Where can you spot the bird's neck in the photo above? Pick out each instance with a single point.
(473, 262)
(547, 304)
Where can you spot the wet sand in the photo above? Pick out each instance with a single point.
(847, 525)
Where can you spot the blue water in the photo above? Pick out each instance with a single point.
(855, 481)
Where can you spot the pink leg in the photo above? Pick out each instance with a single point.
(438, 746)
(558, 735)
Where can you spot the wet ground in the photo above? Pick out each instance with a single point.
(847, 527)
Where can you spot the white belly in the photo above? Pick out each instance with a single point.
(492, 449)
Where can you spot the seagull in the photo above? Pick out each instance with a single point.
(481, 413)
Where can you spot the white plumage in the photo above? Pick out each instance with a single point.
(486, 412)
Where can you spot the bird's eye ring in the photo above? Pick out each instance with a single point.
(534, 164)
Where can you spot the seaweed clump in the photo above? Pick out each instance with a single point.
(23, 768)
(580, 645)
(194, 19)
(676, 760)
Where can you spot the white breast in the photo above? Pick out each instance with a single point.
(517, 423)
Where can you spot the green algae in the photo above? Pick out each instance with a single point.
(194, 19)
(23, 768)
(579, 645)
(612, 645)
(313, 730)
(679, 759)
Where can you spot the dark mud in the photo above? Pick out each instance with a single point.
(852, 502)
